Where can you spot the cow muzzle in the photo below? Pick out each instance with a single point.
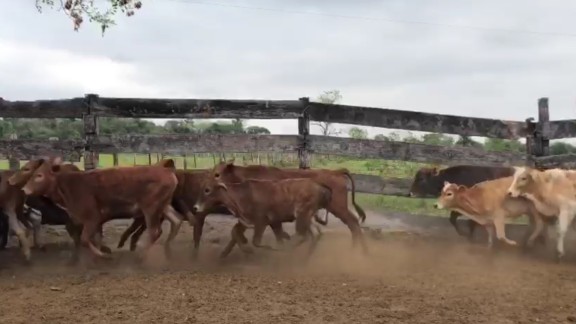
(27, 191)
(438, 206)
(512, 194)
(196, 208)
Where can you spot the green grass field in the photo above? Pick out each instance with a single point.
(374, 202)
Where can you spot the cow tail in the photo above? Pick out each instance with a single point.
(359, 210)
(326, 198)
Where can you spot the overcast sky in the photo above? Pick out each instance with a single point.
(228, 49)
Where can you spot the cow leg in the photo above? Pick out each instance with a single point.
(37, 233)
(453, 220)
(279, 234)
(17, 228)
(136, 224)
(534, 231)
(236, 237)
(136, 236)
(74, 231)
(175, 220)
(564, 219)
(490, 230)
(500, 226)
(257, 237)
(342, 212)
(89, 230)
(198, 228)
(4, 230)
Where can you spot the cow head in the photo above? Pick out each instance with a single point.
(449, 195)
(225, 172)
(214, 193)
(522, 182)
(20, 177)
(426, 182)
(43, 179)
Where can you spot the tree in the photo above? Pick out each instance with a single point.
(76, 10)
(437, 139)
(358, 133)
(328, 97)
(561, 148)
(497, 144)
(255, 130)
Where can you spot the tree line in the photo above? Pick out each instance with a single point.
(62, 128)
(490, 144)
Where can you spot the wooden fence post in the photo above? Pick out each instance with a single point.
(303, 132)
(542, 132)
(530, 130)
(115, 159)
(90, 132)
(13, 163)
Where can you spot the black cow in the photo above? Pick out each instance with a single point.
(429, 182)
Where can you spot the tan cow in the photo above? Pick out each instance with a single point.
(488, 204)
(553, 192)
(265, 202)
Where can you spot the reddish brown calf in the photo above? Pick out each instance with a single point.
(336, 180)
(265, 203)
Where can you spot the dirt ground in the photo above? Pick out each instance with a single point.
(406, 278)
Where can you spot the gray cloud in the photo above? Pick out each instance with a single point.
(186, 49)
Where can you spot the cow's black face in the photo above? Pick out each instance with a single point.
(426, 182)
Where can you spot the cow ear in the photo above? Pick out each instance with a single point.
(435, 171)
(461, 188)
(57, 160)
(167, 163)
(56, 168)
(446, 183)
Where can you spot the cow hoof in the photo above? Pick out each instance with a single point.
(105, 249)
(558, 257)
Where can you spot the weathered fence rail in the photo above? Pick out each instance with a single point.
(91, 107)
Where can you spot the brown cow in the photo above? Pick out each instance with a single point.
(52, 213)
(267, 202)
(12, 200)
(188, 191)
(336, 180)
(88, 195)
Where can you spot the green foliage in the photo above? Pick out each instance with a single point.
(358, 133)
(77, 10)
(500, 145)
(73, 128)
(561, 148)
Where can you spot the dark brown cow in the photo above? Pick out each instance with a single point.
(430, 181)
(88, 196)
(336, 180)
(12, 200)
(51, 213)
(264, 203)
(187, 193)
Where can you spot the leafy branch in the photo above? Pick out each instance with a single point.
(76, 10)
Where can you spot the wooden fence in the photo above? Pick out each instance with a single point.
(537, 133)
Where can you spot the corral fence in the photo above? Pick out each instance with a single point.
(91, 107)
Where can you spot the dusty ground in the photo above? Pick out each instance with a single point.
(407, 278)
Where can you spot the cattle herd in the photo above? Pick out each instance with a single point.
(258, 197)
